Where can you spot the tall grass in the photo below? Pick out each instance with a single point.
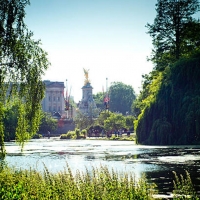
(183, 187)
(98, 184)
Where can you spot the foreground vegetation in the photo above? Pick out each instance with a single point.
(101, 183)
(167, 108)
(22, 65)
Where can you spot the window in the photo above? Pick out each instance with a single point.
(49, 108)
(49, 98)
(58, 98)
(54, 98)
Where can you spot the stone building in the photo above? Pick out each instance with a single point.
(54, 97)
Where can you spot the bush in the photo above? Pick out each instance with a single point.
(84, 132)
(124, 138)
(77, 132)
(37, 136)
(68, 135)
(73, 135)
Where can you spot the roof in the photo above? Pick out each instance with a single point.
(53, 84)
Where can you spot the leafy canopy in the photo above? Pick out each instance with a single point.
(121, 97)
(174, 31)
(22, 64)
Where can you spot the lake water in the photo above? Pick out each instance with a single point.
(157, 162)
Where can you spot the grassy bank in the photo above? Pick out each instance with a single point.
(100, 184)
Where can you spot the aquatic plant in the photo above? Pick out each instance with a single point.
(183, 187)
(99, 184)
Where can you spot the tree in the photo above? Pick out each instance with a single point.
(121, 97)
(48, 123)
(173, 31)
(98, 98)
(22, 64)
(10, 121)
(129, 122)
(102, 117)
(173, 115)
(115, 122)
(82, 121)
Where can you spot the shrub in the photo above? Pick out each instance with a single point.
(37, 136)
(84, 132)
(68, 135)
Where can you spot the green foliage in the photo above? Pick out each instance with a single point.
(167, 108)
(22, 134)
(84, 132)
(68, 135)
(183, 187)
(48, 123)
(129, 122)
(174, 31)
(98, 98)
(82, 121)
(172, 116)
(122, 138)
(22, 63)
(115, 122)
(121, 97)
(101, 184)
(10, 121)
(37, 136)
(77, 134)
(102, 117)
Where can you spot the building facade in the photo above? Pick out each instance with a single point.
(54, 97)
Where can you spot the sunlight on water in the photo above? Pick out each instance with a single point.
(157, 162)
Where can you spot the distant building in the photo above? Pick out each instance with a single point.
(54, 97)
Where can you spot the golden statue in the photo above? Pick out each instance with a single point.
(86, 76)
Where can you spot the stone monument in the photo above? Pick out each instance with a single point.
(87, 105)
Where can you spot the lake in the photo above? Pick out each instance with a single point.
(157, 162)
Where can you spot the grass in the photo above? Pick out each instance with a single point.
(123, 138)
(183, 187)
(99, 184)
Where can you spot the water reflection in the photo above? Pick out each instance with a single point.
(157, 162)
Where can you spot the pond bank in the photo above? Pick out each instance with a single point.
(157, 162)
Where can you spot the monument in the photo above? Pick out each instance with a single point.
(87, 105)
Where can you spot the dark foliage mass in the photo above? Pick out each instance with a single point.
(174, 117)
(168, 107)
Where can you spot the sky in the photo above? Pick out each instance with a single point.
(106, 37)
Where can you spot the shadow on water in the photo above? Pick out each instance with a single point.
(157, 162)
(178, 159)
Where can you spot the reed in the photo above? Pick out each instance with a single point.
(98, 184)
(183, 187)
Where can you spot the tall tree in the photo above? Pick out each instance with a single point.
(48, 123)
(98, 98)
(22, 64)
(121, 97)
(115, 122)
(170, 30)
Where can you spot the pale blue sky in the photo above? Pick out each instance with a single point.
(108, 37)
